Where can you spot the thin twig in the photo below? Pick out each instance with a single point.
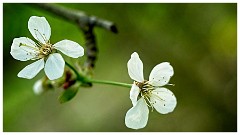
(77, 16)
(91, 47)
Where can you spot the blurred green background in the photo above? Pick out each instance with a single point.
(199, 40)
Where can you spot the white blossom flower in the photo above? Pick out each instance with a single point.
(148, 93)
(43, 51)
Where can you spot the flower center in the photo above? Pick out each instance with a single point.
(45, 50)
(145, 88)
(146, 92)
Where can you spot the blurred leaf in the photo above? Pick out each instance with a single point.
(68, 94)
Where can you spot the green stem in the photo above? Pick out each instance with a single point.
(110, 83)
(83, 79)
(79, 77)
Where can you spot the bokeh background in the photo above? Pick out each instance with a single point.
(199, 40)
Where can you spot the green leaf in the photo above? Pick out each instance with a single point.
(68, 94)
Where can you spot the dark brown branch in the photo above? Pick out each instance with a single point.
(77, 16)
(91, 46)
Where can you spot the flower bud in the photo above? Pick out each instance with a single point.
(42, 85)
(38, 87)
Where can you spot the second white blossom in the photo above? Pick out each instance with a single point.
(148, 93)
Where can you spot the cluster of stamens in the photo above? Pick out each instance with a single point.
(146, 91)
(45, 50)
(41, 50)
(145, 87)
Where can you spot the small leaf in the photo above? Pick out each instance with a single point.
(68, 94)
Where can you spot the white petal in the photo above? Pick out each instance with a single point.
(161, 74)
(32, 70)
(69, 48)
(134, 92)
(163, 100)
(54, 66)
(23, 49)
(135, 68)
(137, 116)
(39, 28)
(37, 87)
